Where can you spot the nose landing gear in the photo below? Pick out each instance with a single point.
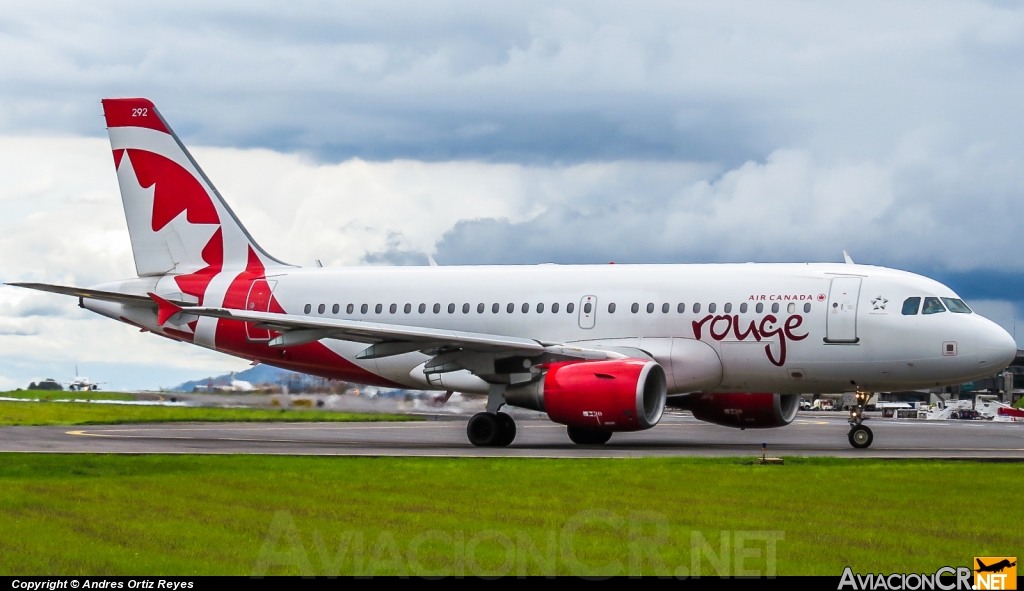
(860, 435)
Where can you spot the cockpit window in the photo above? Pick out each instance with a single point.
(957, 306)
(911, 306)
(932, 306)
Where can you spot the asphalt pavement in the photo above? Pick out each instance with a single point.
(679, 434)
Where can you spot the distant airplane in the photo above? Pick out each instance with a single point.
(994, 568)
(82, 383)
(599, 348)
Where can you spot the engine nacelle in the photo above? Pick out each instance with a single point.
(614, 395)
(746, 411)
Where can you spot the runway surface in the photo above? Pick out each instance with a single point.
(821, 434)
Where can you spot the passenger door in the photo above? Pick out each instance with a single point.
(588, 311)
(843, 295)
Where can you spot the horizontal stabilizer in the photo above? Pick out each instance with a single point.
(96, 294)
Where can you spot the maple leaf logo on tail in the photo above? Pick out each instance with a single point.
(179, 224)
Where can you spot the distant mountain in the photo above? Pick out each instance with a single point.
(260, 374)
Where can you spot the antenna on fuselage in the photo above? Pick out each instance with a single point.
(432, 262)
(849, 261)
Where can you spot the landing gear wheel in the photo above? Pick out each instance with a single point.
(483, 429)
(487, 429)
(587, 437)
(861, 437)
(508, 429)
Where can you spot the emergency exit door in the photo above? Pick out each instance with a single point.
(588, 311)
(843, 296)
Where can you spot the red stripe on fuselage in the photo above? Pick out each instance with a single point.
(312, 358)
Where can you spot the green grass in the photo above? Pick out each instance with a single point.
(67, 413)
(129, 515)
(66, 395)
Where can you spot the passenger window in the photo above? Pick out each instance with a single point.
(465, 308)
(727, 308)
(775, 308)
(650, 308)
(570, 307)
(320, 309)
(393, 308)
(611, 308)
(526, 307)
(335, 309)
(480, 308)
(510, 308)
(422, 308)
(540, 308)
(587, 307)
(932, 306)
(791, 308)
(308, 309)
(451, 308)
(407, 308)
(807, 308)
(911, 306)
(349, 309)
(759, 308)
(665, 308)
(711, 308)
(696, 308)
(635, 308)
(681, 308)
(554, 308)
(437, 308)
(743, 308)
(495, 308)
(378, 308)
(363, 309)
(957, 306)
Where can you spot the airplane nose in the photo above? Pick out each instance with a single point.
(996, 348)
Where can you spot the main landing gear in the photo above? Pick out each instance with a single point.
(588, 437)
(860, 435)
(492, 428)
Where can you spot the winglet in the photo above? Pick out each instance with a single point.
(849, 261)
(164, 309)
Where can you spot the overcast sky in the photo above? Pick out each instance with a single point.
(373, 133)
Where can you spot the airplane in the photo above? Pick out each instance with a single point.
(599, 348)
(994, 568)
(83, 384)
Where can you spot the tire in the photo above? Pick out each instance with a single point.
(507, 426)
(861, 437)
(484, 429)
(587, 437)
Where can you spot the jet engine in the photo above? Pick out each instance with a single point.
(746, 411)
(613, 395)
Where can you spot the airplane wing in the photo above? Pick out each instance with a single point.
(386, 340)
(95, 294)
